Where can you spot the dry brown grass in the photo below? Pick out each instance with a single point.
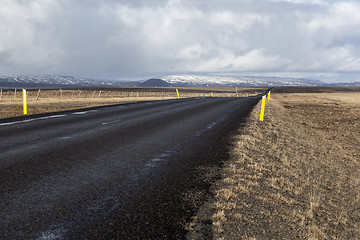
(12, 109)
(61, 100)
(294, 176)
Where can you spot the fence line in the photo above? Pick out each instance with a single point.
(9, 95)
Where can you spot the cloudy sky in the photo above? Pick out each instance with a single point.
(128, 39)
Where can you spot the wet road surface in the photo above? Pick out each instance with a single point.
(115, 172)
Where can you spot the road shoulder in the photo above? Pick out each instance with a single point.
(296, 175)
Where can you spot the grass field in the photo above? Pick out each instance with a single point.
(294, 176)
(60, 100)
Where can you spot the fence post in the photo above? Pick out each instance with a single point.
(262, 111)
(269, 95)
(177, 92)
(1, 95)
(37, 97)
(99, 93)
(15, 94)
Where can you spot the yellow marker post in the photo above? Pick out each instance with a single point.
(24, 101)
(212, 95)
(177, 92)
(262, 111)
(269, 95)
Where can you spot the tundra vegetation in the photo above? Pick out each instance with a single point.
(294, 176)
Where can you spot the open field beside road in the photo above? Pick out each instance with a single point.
(315, 89)
(294, 176)
(52, 100)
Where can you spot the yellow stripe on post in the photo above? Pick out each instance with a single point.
(262, 111)
(177, 92)
(24, 101)
(269, 95)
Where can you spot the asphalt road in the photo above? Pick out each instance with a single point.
(117, 172)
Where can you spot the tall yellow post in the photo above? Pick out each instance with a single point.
(269, 95)
(177, 92)
(262, 111)
(212, 95)
(24, 101)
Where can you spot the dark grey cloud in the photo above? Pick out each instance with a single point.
(115, 38)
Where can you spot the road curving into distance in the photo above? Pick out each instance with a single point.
(114, 172)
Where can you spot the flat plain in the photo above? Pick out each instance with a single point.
(294, 176)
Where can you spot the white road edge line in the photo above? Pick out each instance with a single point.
(30, 120)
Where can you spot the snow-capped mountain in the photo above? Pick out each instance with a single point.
(242, 81)
(50, 81)
(178, 80)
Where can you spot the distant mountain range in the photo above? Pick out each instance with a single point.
(180, 80)
(236, 81)
(48, 81)
(188, 80)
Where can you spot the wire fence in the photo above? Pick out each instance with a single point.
(10, 95)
